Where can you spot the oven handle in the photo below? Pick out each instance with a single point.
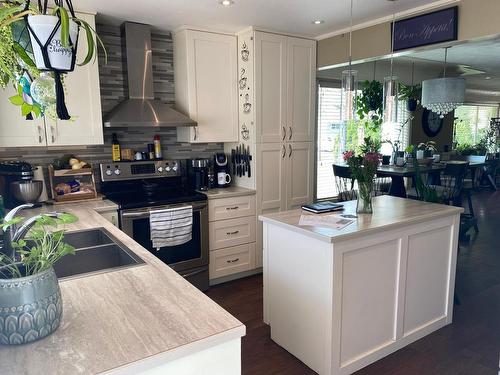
(146, 213)
(189, 274)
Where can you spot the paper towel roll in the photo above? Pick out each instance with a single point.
(39, 175)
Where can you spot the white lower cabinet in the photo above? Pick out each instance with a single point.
(111, 216)
(232, 235)
(232, 260)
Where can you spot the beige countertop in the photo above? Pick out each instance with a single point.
(388, 213)
(116, 318)
(231, 191)
(102, 205)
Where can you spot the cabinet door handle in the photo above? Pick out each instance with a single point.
(289, 150)
(283, 151)
(52, 134)
(290, 133)
(40, 139)
(232, 208)
(233, 260)
(284, 133)
(232, 233)
(195, 133)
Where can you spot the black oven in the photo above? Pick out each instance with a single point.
(190, 260)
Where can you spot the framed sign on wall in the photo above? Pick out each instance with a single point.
(430, 28)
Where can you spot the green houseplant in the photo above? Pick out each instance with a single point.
(369, 105)
(410, 94)
(30, 298)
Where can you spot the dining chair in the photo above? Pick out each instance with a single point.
(451, 183)
(344, 182)
(382, 185)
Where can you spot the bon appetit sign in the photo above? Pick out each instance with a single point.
(436, 27)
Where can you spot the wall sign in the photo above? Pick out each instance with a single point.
(436, 27)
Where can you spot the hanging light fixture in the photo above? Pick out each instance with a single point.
(349, 85)
(390, 109)
(443, 95)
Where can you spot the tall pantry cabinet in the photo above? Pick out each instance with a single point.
(280, 83)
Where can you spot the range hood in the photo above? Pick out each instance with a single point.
(141, 109)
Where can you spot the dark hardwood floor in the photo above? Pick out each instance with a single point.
(469, 346)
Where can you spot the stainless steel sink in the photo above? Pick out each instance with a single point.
(96, 250)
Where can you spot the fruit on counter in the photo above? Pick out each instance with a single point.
(69, 162)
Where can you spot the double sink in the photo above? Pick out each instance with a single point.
(96, 251)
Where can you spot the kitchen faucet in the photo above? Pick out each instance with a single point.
(14, 234)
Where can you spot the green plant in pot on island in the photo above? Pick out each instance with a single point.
(39, 46)
(410, 94)
(363, 166)
(30, 298)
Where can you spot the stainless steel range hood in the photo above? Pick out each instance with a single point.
(141, 109)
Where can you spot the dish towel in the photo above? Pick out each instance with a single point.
(171, 226)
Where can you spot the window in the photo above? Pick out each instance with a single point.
(471, 123)
(334, 137)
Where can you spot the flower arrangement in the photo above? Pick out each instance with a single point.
(363, 169)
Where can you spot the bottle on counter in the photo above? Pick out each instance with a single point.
(151, 151)
(157, 145)
(115, 149)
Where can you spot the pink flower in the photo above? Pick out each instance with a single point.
(348, 155)
(372, 157)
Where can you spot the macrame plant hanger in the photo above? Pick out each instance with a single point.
(61, 110)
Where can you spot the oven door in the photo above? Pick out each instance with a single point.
(192, 254)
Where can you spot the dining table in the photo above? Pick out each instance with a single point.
(433, 171)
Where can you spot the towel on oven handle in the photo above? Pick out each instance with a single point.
(171, 226)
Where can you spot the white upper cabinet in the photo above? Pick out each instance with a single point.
(83, 99)
(301, 95)
(205, 69)
(15, 130)
(270, 86)
(285, 74)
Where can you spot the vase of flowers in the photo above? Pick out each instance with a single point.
(363, 168)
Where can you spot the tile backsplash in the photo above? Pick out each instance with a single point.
(113, 90)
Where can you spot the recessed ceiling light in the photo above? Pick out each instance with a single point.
(318, 22)
(226, 3)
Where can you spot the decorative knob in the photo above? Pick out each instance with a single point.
(160, 169)
(108, 172)
(118, 171)
(175, 167)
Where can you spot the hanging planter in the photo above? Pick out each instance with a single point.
(35, 39)
(50, 50)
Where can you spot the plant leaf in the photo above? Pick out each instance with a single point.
(21, 52)
(26, 109)
(67, 218)
(64, 17)
(37, 110)
(17, 100)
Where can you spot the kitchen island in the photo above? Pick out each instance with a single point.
(341, 299)
(144, 319)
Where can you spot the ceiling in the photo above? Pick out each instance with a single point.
(287, 16)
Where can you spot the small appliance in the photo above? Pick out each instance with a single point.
(12, 175)
(198, 173)
(222, 170)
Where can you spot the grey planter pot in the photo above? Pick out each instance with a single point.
(30, 308)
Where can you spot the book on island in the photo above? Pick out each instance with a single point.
(322, 207)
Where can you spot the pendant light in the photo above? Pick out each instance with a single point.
(443, 95)
(349, 85)
(390, 109)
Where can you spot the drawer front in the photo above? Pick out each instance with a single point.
(226, 233)
(232, 260)
(231, 208)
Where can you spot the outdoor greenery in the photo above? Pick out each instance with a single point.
(43, 246)
(408, 92)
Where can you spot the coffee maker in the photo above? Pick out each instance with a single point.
(198, 173)
(222, 170)
(13, 171)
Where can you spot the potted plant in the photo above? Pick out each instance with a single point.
(426, 149)
(363, 169)
(410, 94)
(370, 103)
(30, 298)
(34, 40)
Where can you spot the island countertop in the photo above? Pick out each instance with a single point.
(116, 318)
(388, 213)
